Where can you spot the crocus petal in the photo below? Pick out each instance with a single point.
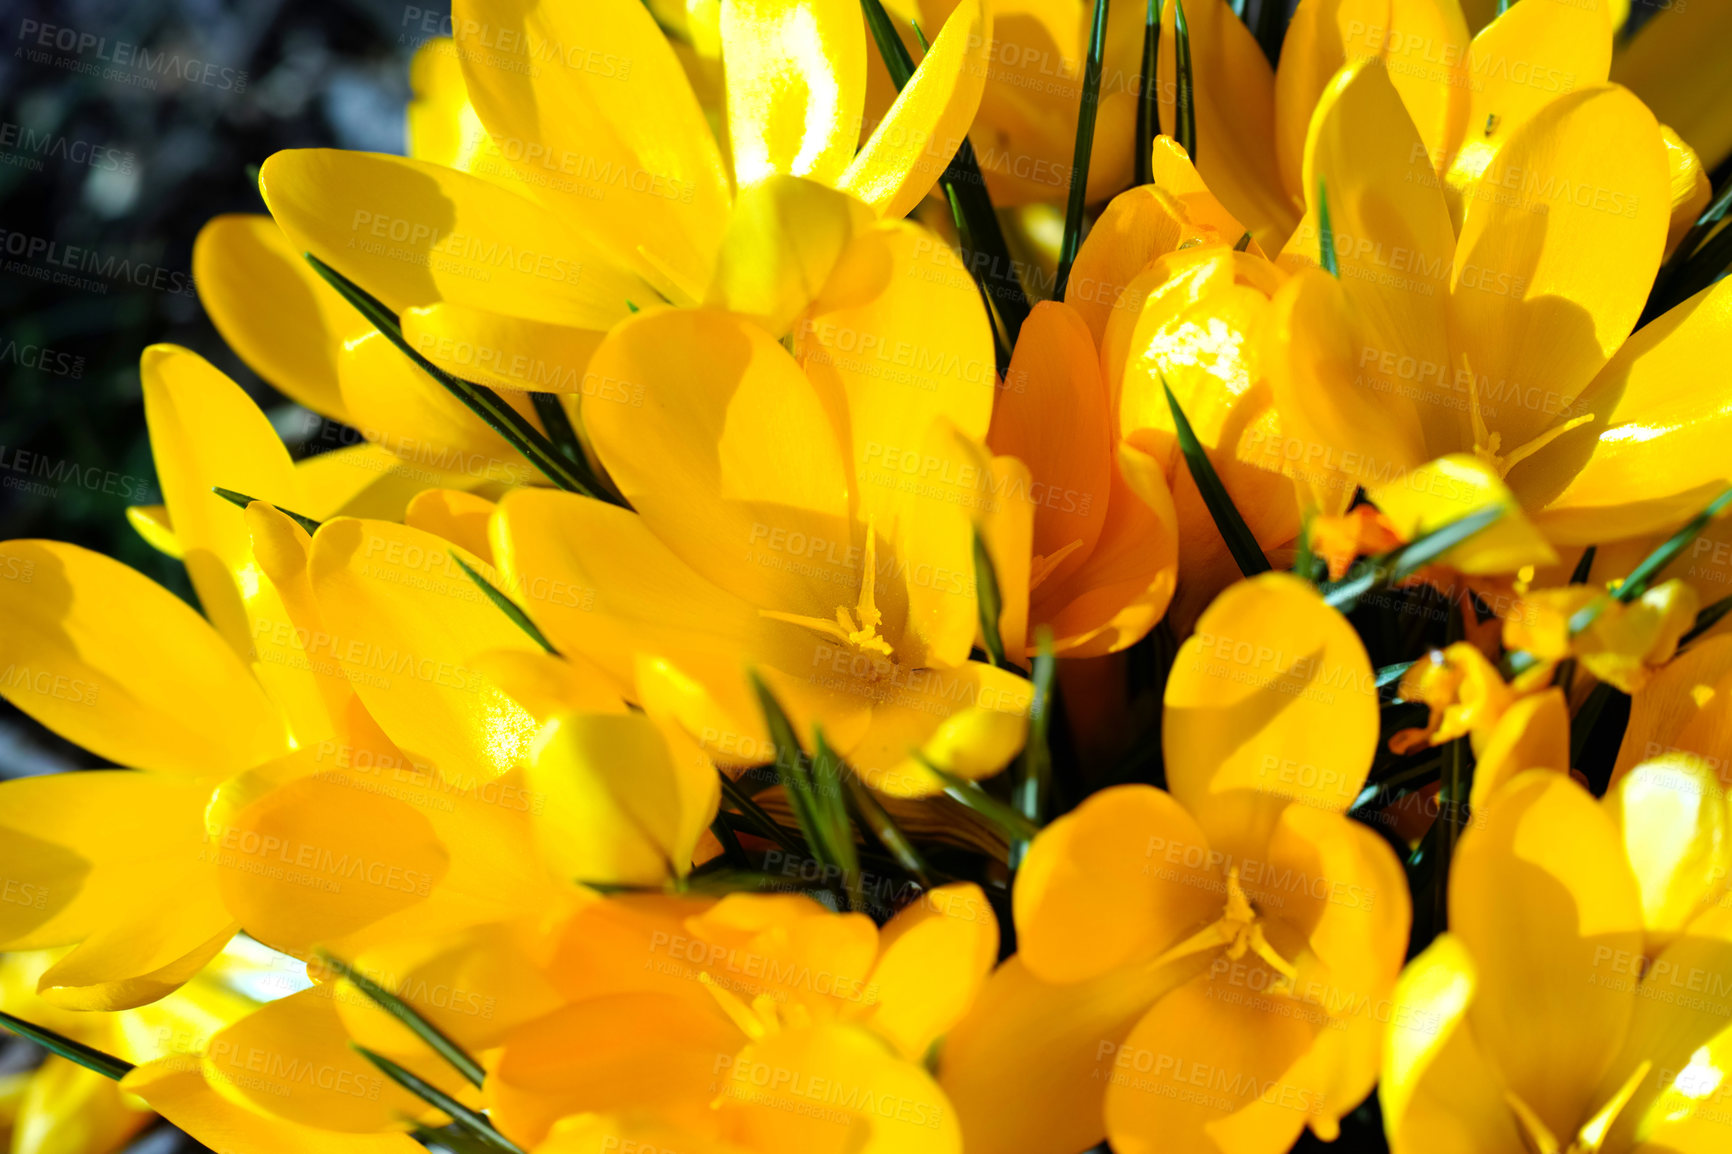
(1137, 227)
(596, 821)
(1520, 63)
(408, 624)
(442, 124)
(1010, 1102)
(460, 518)
(111, 660)
(610, 138)
(796, 86)
(1533, 733)
(912, 146)
(1542, 896)
(1438, 1092)
(152, 523)
(1551, 272)
(1248, 1049)
(412, 233)
(1112, 884)
(367, 480)
(933, 957)
(778, 1117)
(1691, 188)
(67, 1107)
(968, 721)
(176, 1088)
(733, 459)
(502, 351)
(273, 310)
(1450, 488)
(1271, 701)
(645, 1053)
(1653, 456)
(1671, 814)
(783, 240)
(1667, 65)
(1684, 710)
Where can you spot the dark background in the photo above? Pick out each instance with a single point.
(125, 154)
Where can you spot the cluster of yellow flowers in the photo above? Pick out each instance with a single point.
(750, 682)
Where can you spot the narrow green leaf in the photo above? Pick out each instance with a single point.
(1707, 619)
(754, 815)
(452, 1138)
(1271, 28)
(435, 1038)
(1586, 719)
(1326, 232)
(87, 1056)
(816, 821)
(1032, 773)
(570, 475)
(988, 601)
(1503, 6)
(472, 1121)
(1243, 244)
(981, 236)
(1240, 541)
(1185, 100)
(1149, 99)
(1702, 269)
(558, 424)
(1399, 564)
(1305, 561)
(1390, 674)
(505, 605)
(831, 804)
(1451, 811)
(872, 815)
(1643, 575)
(1008, 821)
(1087, 108)
(242, 500)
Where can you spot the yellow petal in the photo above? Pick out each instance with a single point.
(1543, 899)
(153, 524)
(617, 803)
(273, 310)
(366, 480)
(912, 146)
(796, 87)
(502, 351)
(1683, 710)
(442, 125)
(1271, 701)
(968, 721)
(1533, 733)
(412, 233)
(408, 624)
(1137, 227)
(1450, 488)
(1650, 459)
(783, 240)
(1559, 245)
(68, 1108)
(933, 957)
(853, 1076)
(595, 113)
(1213, 1064)
(461, 518)
(1671, 814)
(176, 1088)
(691, 460)
(1437, 1090)
(111, 660)
(1009, 1104)
(1691, 188)
(1667, 65)
(1113, 883)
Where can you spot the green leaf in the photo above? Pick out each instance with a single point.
(505, 605)
(981, 236)
(1390, 674)
(753, 814)
(1149, 99)
(1584, 566)
(242, 500)
(87, 1056)
(1087, 109)
(872, 815)
(989, 603)
(1582, 726)
(558, 424)
(1707, 619)
(1643, 575)
(1240, 541)
(436, 1039)
(1326, 233)
(453, 1138)
(472, 1121)
(823, 821)
(1032, 773)
(1185, 100)
(572, 476)
(1399, 564)
(1305, 561)
(831, 803)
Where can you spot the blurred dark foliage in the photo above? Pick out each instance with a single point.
(124, 126)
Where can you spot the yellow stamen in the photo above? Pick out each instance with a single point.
(863, 636)
(1240, 931)
(755, 1025)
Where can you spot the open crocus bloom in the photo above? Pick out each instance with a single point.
(1237, 933)
(808, 515)
(1511, 344)
(1579, 1000)
(600, 187)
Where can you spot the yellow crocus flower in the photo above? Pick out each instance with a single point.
(1578, 1001)
(1206, 967)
